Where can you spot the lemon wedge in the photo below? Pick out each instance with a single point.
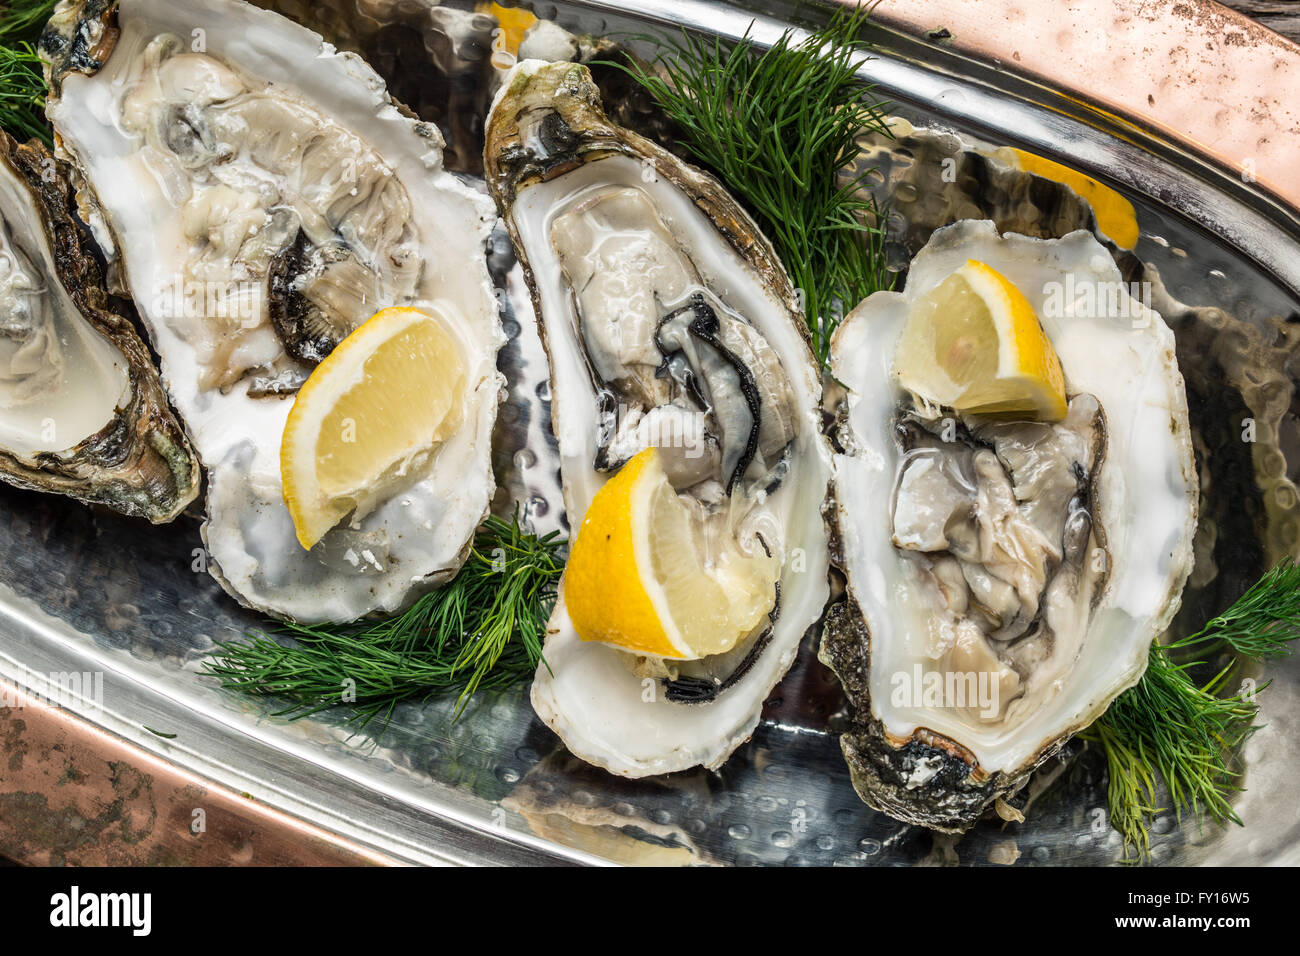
(1115, 214)
(369, 417)
(974, 344)
(513, 24)
(649, 574)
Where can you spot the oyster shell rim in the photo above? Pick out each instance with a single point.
(147, 425)
(511, 167)
(879, 761)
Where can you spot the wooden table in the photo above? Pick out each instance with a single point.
(1280, 15)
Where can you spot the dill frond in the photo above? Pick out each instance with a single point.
(483, 629)
(22, 94)
(1261, 624)
(22, 80)
(21, 21)
(779, 127)
(1171, 728)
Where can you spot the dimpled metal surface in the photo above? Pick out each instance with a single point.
(89, 592)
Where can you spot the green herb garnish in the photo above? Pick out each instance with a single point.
(22, 82)
(780, 127)
(1172, 728)
(23, 20)
(483, 629)
(1262, 622)
(22, 94)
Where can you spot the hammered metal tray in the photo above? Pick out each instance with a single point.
(129, 607)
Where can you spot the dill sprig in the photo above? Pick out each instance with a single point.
(22, 94)
(780, 128)
(1171, 728)
(23, 20)
(22, 82)
(483, 629)
(1261, 624)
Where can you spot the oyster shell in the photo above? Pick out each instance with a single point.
(266, 196)
(435, 57)
(1027, 567)
(82, 412)
(1236, 368)
(660, 304)
(444, 59)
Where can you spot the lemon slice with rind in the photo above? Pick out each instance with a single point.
(369, 417)
(649, 574)
(975, 344)
(1116, 217)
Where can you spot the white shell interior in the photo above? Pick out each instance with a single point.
(1145, 496)
(60, 380)
(586, 692)
(378, 563)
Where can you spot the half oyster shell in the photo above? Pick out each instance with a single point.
(266, 196)
(1005, 581)
(82, 412)
(1236, 368)
(660, 303)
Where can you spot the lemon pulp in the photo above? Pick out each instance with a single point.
(369, 416)
(650, 574)
(975, 344)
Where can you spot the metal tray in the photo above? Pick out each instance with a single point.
(127, 609)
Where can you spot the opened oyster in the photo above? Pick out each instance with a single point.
(670, 325)
(81, 410)
(1234, 366)
(266, 197)
(1005, 577)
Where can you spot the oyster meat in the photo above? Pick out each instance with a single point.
(1235, 360)
(669, 322)
(265, 196)
(1005, 578)
(82, 412)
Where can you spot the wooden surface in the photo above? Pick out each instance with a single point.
(1280, 15)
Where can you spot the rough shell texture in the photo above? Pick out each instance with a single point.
(410, 541)
(958, 790)
(141, 462)
(547, 123)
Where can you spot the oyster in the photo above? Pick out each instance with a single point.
(1236, 366)
(665, 314)
(1005, 579)
(82, 412)
(265, 196)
